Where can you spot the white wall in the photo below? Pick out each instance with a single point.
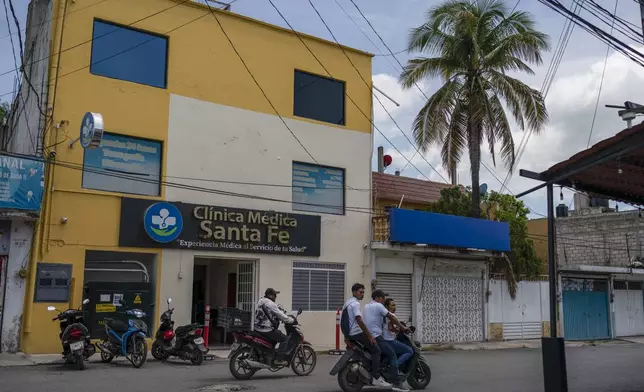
(215, 142)
(21, 236)
(531, 302)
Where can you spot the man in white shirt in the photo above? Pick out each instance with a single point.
(374, 315)
(359, 332)
(267, 320)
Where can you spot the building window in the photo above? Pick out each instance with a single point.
(319, 98)
(124, 164)
(318, 286)
(318, 188)
(127, 54)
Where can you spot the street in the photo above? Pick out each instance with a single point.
(608, 367)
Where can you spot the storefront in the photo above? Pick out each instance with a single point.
(223, 257)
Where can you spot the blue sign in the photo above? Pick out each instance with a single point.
(91, 131)
(22, 183)
(124, 164)
(163, 222)
(318, 189)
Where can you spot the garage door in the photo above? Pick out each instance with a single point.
(585, 305)
(398, 286)
(452, 309)
(629, 308)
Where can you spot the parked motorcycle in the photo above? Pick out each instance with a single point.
(74, 336)
(125, 339)
(185, 343)
(354, 367)
(251, 352)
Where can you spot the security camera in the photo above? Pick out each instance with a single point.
(63, 219)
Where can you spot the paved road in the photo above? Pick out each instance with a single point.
(605, 368)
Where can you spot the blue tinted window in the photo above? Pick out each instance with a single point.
(318, 98)
(126, 54)
(318, 189)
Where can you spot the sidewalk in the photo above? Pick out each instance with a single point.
(22, 359)
(514, 344)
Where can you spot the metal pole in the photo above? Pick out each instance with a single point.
(642, 14)
(552, 269)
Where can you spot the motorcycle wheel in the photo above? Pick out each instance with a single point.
(236, 368)
(348, 381)
(158, 352)
(420, 377)
(139, 351)
(304, 361)
(80, 361)
(197, 357)
(106, 357)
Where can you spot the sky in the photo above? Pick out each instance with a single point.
(571, 100)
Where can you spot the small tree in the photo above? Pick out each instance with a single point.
(504, 208)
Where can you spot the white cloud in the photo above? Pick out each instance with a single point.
(571, 104)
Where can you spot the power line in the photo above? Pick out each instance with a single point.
(54, 19)
(364, 81)
(601, 81)
(100, 36)
(298, 35)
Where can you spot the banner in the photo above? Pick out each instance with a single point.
(22, 183)
(160, 224)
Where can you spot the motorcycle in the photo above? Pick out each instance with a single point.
(186, 342)
(126, 340)
(74, 336)
(251, 352)
(354, 367)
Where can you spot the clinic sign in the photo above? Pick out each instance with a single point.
(153, 224)
(22, 182)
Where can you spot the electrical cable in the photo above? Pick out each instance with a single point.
(364, 81)
(601, 84)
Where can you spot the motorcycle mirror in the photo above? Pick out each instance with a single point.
(299, 311)
(169, 301)
(85, 301)
(50, 308)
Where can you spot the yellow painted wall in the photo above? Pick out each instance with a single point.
(538, 233)
(201, 65)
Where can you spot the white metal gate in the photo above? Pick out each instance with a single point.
(246, 286)
(452, 309)
(398, 286)
(629, 308)
(522, 317)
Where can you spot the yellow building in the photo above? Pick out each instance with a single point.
(538, 233)
(186, 124)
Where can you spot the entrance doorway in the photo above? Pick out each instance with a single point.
(222, 284)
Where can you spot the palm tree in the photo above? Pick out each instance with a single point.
(471, 46)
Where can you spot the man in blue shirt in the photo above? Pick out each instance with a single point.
(374, 314)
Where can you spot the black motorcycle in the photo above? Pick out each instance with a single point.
(74, 335)
(354, 367)
(185, 343)
(252, 352)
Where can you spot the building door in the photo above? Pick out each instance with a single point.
(629, 308)
(585, 305)
(231, 300)
(521, 316)
(398, 286)
(452, 309)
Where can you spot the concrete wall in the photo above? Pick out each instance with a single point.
(19, 238)
(31, 103)
(602, 239)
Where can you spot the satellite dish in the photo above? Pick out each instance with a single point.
(483, 189)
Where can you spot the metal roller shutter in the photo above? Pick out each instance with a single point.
(398, 286)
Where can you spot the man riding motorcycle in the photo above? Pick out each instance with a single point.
(267, 321)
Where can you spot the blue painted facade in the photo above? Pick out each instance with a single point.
(418, 227)
(22, 182)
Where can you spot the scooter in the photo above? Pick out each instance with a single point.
(185, 343)
(252, 352)
(74, 336)
(125, 340)
(354, 367)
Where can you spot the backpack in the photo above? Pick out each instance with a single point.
(345, 323)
